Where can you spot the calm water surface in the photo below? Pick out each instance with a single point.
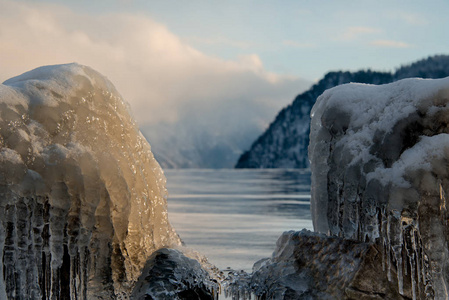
(234, 217)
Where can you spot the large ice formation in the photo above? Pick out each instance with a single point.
(83, 201)
(380, 174)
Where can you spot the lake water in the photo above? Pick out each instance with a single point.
(235, 216)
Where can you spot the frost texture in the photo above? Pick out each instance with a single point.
(379, 158)
(83, 201)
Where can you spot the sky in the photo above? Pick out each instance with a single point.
(275, 41)
(300, 37)
(178, 60)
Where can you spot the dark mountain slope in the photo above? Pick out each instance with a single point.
(284, 144)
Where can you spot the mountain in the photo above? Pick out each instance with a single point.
(214, 132)
(197, 145)
(284, 144)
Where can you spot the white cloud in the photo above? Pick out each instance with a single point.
(153, 69)
(169, 84)
(219, 40)
(352, 33)
(390, 44)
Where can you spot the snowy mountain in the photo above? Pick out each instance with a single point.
(284, 144)
(200, 144)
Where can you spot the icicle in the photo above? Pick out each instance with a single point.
(443, 207)
(383, 254)
(38, 225)
(397, 250)
(406, 261)
(408, 227)
(10, 252)
(384, 238)
(389, 276)
(237, 285)
(413, 275)
(2, 245)
(415, 265)
(419, 272)
(425, 267)
(46, 255)
(389, 245)
(395, 237)
(23, 243)
(397, 231)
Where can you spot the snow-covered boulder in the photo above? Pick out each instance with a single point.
(310, 265)
(82, 199)
(380, 174)
(170, 275)
(307, 265)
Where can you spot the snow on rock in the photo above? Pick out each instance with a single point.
(310, 265)
(170, 275)
(379, 159)
(83, 201)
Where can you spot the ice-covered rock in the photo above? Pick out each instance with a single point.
(83, 201)
(379, 159)
(170, 275)
(308, 265)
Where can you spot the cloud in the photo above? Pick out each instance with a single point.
(296, 44)
(390, 44)
(155, 70)
(219, 40)
(185, 101)
(352, 33)
(409, 18)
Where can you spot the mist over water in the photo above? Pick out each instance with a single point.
(234, 217)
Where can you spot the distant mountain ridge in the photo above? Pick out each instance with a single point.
(284, 144)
